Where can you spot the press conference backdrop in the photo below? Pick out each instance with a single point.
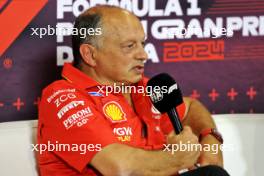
(221, 62)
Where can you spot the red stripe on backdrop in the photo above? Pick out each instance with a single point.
(15, 18)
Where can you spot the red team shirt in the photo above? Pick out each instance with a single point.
(76, 112)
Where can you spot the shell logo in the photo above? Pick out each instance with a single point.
(114, 112)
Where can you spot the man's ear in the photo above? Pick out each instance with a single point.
(87, 52)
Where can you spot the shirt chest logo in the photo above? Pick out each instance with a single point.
(114, 112)
(123, 133)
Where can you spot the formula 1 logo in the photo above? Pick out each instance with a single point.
(15, 15)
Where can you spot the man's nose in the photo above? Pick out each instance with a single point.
(141, 54)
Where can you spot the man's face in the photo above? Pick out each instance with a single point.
(121, 55)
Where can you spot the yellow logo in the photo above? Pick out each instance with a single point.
(114, 112)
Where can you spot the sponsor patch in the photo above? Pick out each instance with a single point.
(50, 98)
(64, 98)
(68, 107)
(114, 112)
(95, 94)
(79, 118)
(123, 133)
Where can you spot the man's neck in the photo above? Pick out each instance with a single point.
(89, 71)
(129, 99)
(101, 80)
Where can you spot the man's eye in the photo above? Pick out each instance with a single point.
(131, 45)
(143, 43)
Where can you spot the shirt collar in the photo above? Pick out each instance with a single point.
(77, 77)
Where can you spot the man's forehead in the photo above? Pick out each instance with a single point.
(126, 33)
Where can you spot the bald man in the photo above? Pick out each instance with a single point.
(94, 133)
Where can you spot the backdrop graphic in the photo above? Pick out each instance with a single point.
(213, 48)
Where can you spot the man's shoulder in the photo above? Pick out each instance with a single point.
(62, 83)
(56, 88)
(64, 91)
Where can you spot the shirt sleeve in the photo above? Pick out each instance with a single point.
(71, 122)
(165, 122)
